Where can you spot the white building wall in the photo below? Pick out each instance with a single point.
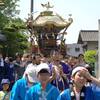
(72, 49)
(92, 45)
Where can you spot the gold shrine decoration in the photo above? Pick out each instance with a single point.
(47, 6)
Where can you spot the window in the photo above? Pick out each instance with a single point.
(77, 49)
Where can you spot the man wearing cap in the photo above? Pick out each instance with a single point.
(43, 90)
(22, 85)
(79, 90)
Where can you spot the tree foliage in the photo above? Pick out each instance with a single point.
(89, 56)
(13, 28)
(9, 8)
(16, 39)
(7, 11)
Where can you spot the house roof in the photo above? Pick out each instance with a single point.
(88, 35)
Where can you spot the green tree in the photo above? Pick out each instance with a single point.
(16, 37)
(7, 11)
(89, 56)
(13, 28)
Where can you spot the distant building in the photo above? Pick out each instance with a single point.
(88, 39)
(74, 49)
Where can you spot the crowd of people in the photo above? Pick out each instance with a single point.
(36, 77)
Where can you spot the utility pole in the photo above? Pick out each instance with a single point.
(30, 21)
(97, 64)
(99, 50)
(32, 9)
(32, 18)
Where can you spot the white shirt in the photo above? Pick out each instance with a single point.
(77, 96)
(1, 62)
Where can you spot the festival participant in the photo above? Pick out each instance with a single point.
(60, 70)
(22, 85)
(80, 90)
(43, 90)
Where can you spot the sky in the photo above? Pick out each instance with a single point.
(85, 14)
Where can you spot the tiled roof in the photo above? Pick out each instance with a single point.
(89, 35)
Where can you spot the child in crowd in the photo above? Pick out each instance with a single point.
(4, 94)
